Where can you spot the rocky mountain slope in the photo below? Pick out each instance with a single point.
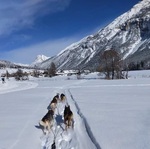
(129, 34)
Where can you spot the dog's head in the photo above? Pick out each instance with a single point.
(57, 96)
(67, 108)
(62, 95)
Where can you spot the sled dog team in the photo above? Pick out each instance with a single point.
(47, 121)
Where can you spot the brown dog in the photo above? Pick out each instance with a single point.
(47, 121)
(53, 103)
(68, 117)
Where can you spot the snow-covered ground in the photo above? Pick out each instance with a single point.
(108, 114)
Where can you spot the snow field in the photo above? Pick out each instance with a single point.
(110, 114)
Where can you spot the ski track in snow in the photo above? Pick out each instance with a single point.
(72, 137)
(13, 87)
(85, 122)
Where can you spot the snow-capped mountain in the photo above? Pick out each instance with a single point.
(8, 64)
(4, 63)
(39, 59)
(129, 34)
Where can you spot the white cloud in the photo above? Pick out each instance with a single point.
(48, 48)
(17, 14)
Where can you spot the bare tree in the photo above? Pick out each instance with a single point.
(52, 70)
(79, 74)
(111, 64)
(7, 74)
(36, 73)
(20, 75)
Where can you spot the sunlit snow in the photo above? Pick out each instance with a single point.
(108, 114)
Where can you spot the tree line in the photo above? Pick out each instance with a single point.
(114, 67)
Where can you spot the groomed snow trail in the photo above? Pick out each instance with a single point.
(79, 137)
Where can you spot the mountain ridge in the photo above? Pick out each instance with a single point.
(128, 34)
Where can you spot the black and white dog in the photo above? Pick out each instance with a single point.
(47, 121)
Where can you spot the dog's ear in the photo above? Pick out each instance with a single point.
(62, 95)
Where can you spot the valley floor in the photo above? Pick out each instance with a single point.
(110, 114)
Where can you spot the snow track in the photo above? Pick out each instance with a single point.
(88, 129)
(79, 137)
(12, 86)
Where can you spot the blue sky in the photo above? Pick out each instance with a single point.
(33, 27)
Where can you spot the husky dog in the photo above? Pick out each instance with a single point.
(68, 117)
(53, 103)
(47, 121)
(62, 97)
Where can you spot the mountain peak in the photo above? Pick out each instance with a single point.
(39, 59)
